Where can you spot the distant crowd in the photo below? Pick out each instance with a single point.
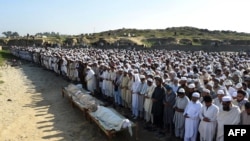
(190, 95)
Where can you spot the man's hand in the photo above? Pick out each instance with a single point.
(186, 116)
(206, 119)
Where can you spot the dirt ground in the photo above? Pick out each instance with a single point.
(32, 109)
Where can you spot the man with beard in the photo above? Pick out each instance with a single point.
(157, 107)
(228, 115)
(183, 84)
(192, 119)
(169, 102)
(208, 116)
(142, 91)
(179, 120)
(245, 115)
(217, 85)
(148, 100)
(124, 86)
(240, 99)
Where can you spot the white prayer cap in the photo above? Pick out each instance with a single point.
(233, 69)
(210, 83)
(157, 76)
(206, 90)
(195, 94)
(228, 82)
(181, 90)
(226, 98)
(183, 78)
(88, 67)
(220, 92)
(176, 78)
(189, 80)
(150, 80)
(217, 79)
(192, 85)
(234, 94)
(239, 85)
(196, 80)
(142, 76)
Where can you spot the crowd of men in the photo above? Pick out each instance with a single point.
(190, 95)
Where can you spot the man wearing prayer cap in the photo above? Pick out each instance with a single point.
(191, 89)
(175, 85)
(142, 91)
(218, 101)
(135, 95)
(204, 92)
(229, 115)
(124, 87)
(181, 102)
(183, 84)
(148, 101)
(228, 87)
(90, 79)
(192, 119)
(217, 85)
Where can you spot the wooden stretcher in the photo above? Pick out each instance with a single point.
(109, 133)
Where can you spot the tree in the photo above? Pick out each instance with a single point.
(14, 34)
(7, 34)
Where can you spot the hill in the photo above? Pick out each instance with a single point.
(145, 37)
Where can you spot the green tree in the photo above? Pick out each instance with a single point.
(7, 34)
(14, 34)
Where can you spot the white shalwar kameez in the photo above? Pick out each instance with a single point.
(207, 129)
(192, 123)
(231, 117)
(90, 80)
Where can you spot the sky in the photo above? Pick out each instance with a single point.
(74, 17)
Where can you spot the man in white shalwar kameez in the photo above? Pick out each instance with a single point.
(64, 67)
(142, 91)
(192, 119)
(90, 80)
(135, 90)
(112, 80)
(104, 76)
(108, 89)
(179, 120)
(208, 117)
(228, 115)
(148, 101)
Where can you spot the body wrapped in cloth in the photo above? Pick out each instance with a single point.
(82, 98)
(111, 119)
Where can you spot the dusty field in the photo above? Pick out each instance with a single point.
(32, 109)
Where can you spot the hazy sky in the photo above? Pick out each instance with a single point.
(88, 16)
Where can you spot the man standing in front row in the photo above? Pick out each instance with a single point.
(228, 115)
(179, 120)
(192, 119)
(208, 117)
